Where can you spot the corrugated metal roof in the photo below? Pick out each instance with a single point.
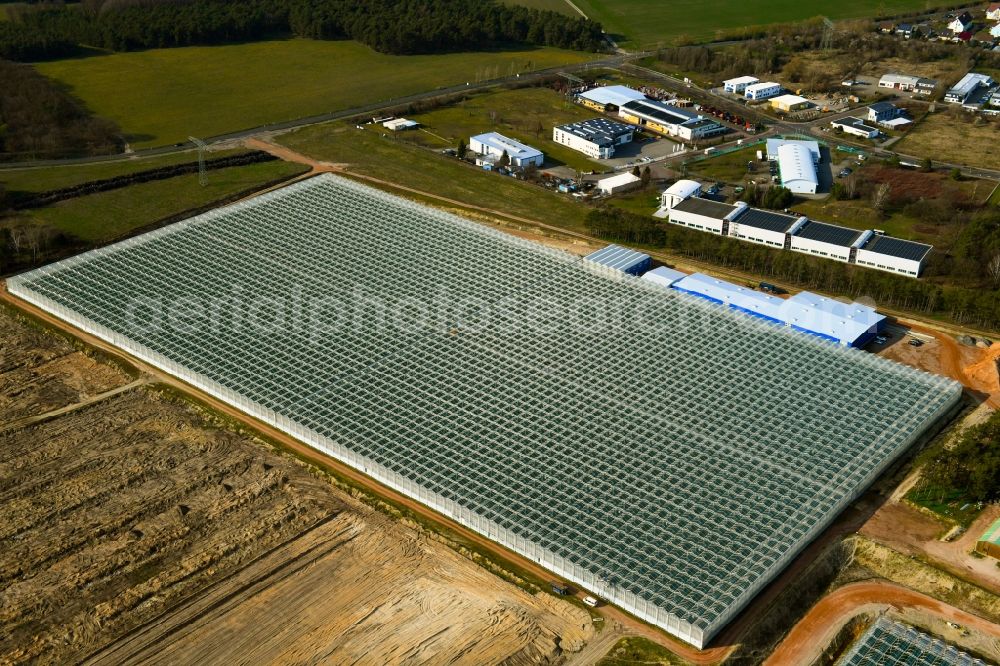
(663, 276)
(796, 164)
(733, 295)
(515, 149)
(844, 322)
(617, 95)
(618, 257)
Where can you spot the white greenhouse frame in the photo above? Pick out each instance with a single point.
(673, 469)
(891, 643)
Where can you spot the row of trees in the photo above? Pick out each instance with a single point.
(37, 118)
(962, 305)
(389, 26)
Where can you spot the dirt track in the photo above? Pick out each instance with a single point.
(136, 530)
(819, 626)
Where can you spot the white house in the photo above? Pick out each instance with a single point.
(739, 84)
(597, 137)
(995, 31)
(856, 127)
(759, 91)
(993, 12)
(495, 145)
(961, 23)
(797, 169)
(620, 183)
(882, 112)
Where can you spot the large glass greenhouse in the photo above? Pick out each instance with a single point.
(666, 453)
(890, 643)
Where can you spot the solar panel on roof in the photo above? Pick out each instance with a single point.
(705, 207)
(829, 233)
(765, 219)
(897, 247)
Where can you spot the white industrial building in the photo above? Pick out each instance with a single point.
(495, 145)
(892, 254)
(398, 124)
(597, 137)
(682, 205)
(669, 120)
(663, 276)
(607, 98)
(772, 145)
(855, 127)
(621, 259)
(622, 182)
(826, 240)
(797, 168)
(676, 193)
(739, 84)
(706, 215)
(914, 84)
(759, 91)
(967, 87)
(764, 226)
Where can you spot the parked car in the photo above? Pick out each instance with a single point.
(881, 339)
(915, 342)
(845, 172)
(591, 601)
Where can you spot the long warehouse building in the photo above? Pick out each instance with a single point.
(673, 459)
(683, 205)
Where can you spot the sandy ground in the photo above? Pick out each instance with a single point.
(135, 530)
(824, 620)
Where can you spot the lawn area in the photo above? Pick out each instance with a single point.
(731, 167)
(102, 217)
(560, 6)
(640, 202)
(953, 138)
(649, 23)
(162, 96)
(527, 114)
(368, 153)
(858, 214)
(41, 179)
(636, 650)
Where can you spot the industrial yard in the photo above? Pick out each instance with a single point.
(173, 530)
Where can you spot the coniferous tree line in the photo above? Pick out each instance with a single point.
(389, 26)
(37, 118)
(944, 296)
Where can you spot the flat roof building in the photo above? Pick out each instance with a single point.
(764, 226)
(914, 84)
(893, 254)
(788, 103)
(825, 240)
(706, 215)
(739, 84)
(669, 120)
(597, 137)
(856, 127)
(621, 259)
(759, 91)
(495, 145)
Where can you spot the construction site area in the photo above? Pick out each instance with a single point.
(142, 527)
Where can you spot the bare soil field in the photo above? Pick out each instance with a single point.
(954, 136)
(137, 529)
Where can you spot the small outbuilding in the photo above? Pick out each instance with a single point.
(788, 103)
(398, 124)
(622, 182)
(621, 259)
(663, 276)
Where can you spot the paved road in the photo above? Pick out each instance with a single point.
(815, 631)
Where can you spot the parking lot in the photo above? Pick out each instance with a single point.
(644, 149)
